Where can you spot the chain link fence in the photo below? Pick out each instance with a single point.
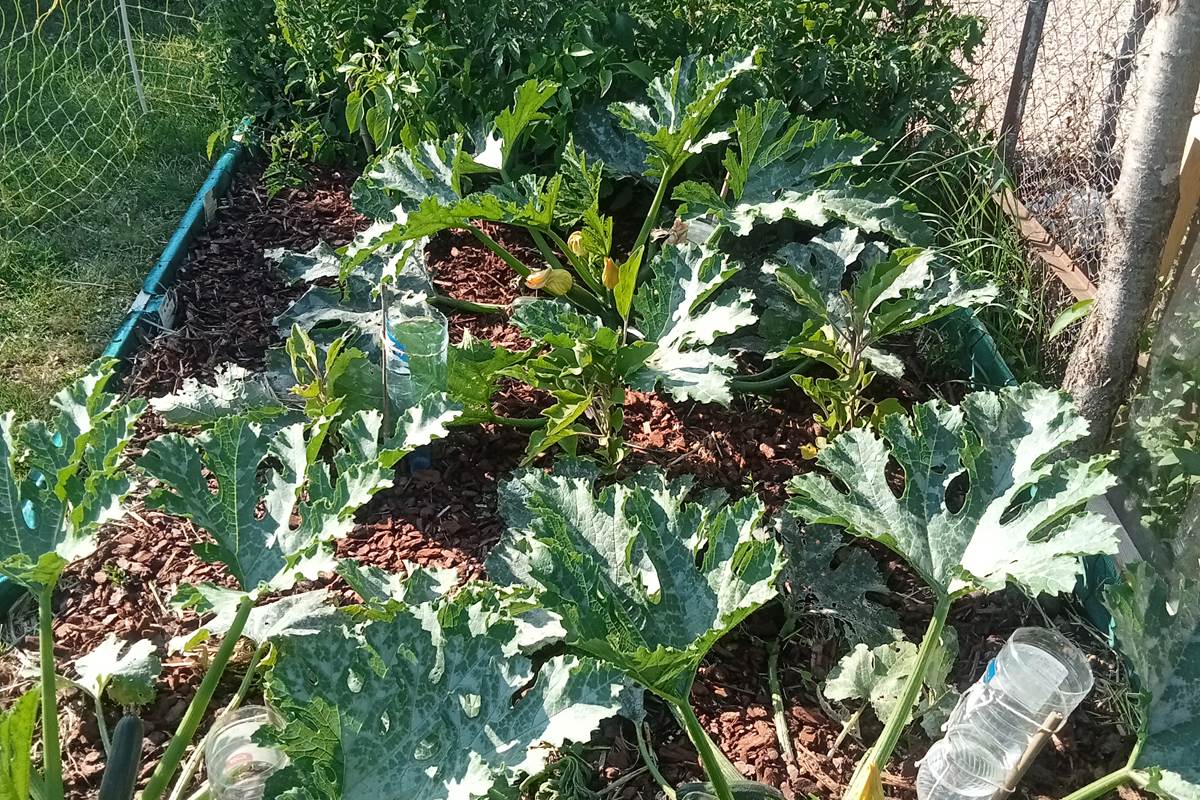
(1065, 160)
(1080, 94)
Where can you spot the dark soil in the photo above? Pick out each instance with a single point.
(227, 298)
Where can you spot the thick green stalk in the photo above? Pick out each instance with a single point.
(577, 294)
(894, 727)
(545, 249)
(527, 423)
(712, 765)
(773, 648)
(195, 712)
(1102, 786)
(467, 305)
(101, 725)
(51, 749)
(652, 214)
(193, 763)
(505, 256)
(768, 384)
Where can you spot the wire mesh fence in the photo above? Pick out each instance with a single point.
(1081, 94)
(85, 81)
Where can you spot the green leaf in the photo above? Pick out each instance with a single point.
(235, 391)
(816, 584)
(354, 110)
(908, 289)
(267, 550)
(474, 369)
(776, 150)
(618, 151)
(420, 703)
(1019, 520)
(643, 579)
(627, 275)
(553, 320)
(127, 671)
(418, 585)
(877, 675)
(320, 262)
(581, 185)
(301, 614)
(17, 725)
(526, 109)
(681, 104)
(1157, 628)
(681, 310)
(60, 483)
(1069, 316)
(874, 208)
(410, 175)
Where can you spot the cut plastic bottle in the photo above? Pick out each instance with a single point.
(1031, 687)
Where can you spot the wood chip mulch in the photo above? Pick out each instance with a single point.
(226, 300)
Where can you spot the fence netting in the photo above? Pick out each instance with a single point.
(74, 110)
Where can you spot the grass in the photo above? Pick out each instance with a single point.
(954, 182)
(92, 187)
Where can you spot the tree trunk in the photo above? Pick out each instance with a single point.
(1138, 215)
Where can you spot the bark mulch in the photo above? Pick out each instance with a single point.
(446, 516)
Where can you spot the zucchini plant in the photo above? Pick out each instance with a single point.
(1156, 620)
(277, 507)
(643, 578)
(988, 499)
(674, 298)
(421, 692)
(59, 484)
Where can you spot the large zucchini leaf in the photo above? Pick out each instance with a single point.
(60, 482)
(674, 123)
(1018, 516)
(1158, 630)
(643, 578)
(428, 701)
(682, 311)
(17, 724)
(281, 475)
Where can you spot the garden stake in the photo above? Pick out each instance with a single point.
(1052, 723)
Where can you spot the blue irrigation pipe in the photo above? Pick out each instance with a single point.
(145, 312)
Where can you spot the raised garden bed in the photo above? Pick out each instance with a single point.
(226, 299)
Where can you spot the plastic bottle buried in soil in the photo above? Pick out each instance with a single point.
(418, 339)
(237, 767)
(1033, 684)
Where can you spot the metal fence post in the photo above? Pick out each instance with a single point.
(1018, 90)
(133, 67)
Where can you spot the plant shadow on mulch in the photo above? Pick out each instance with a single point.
(446, 516)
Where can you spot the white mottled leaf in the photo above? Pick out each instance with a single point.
(643, 579)
(1020, 519)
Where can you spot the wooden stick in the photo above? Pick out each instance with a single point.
(1043, 244)
(1189, 201)
(1022, 79)
(1049, 727)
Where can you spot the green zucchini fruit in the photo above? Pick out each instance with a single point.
(124, 760)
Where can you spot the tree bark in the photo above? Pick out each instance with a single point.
(1138, 215)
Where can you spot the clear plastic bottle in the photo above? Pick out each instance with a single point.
(417, 344)
(237, 767)
(968, 763)
(1033, 684)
